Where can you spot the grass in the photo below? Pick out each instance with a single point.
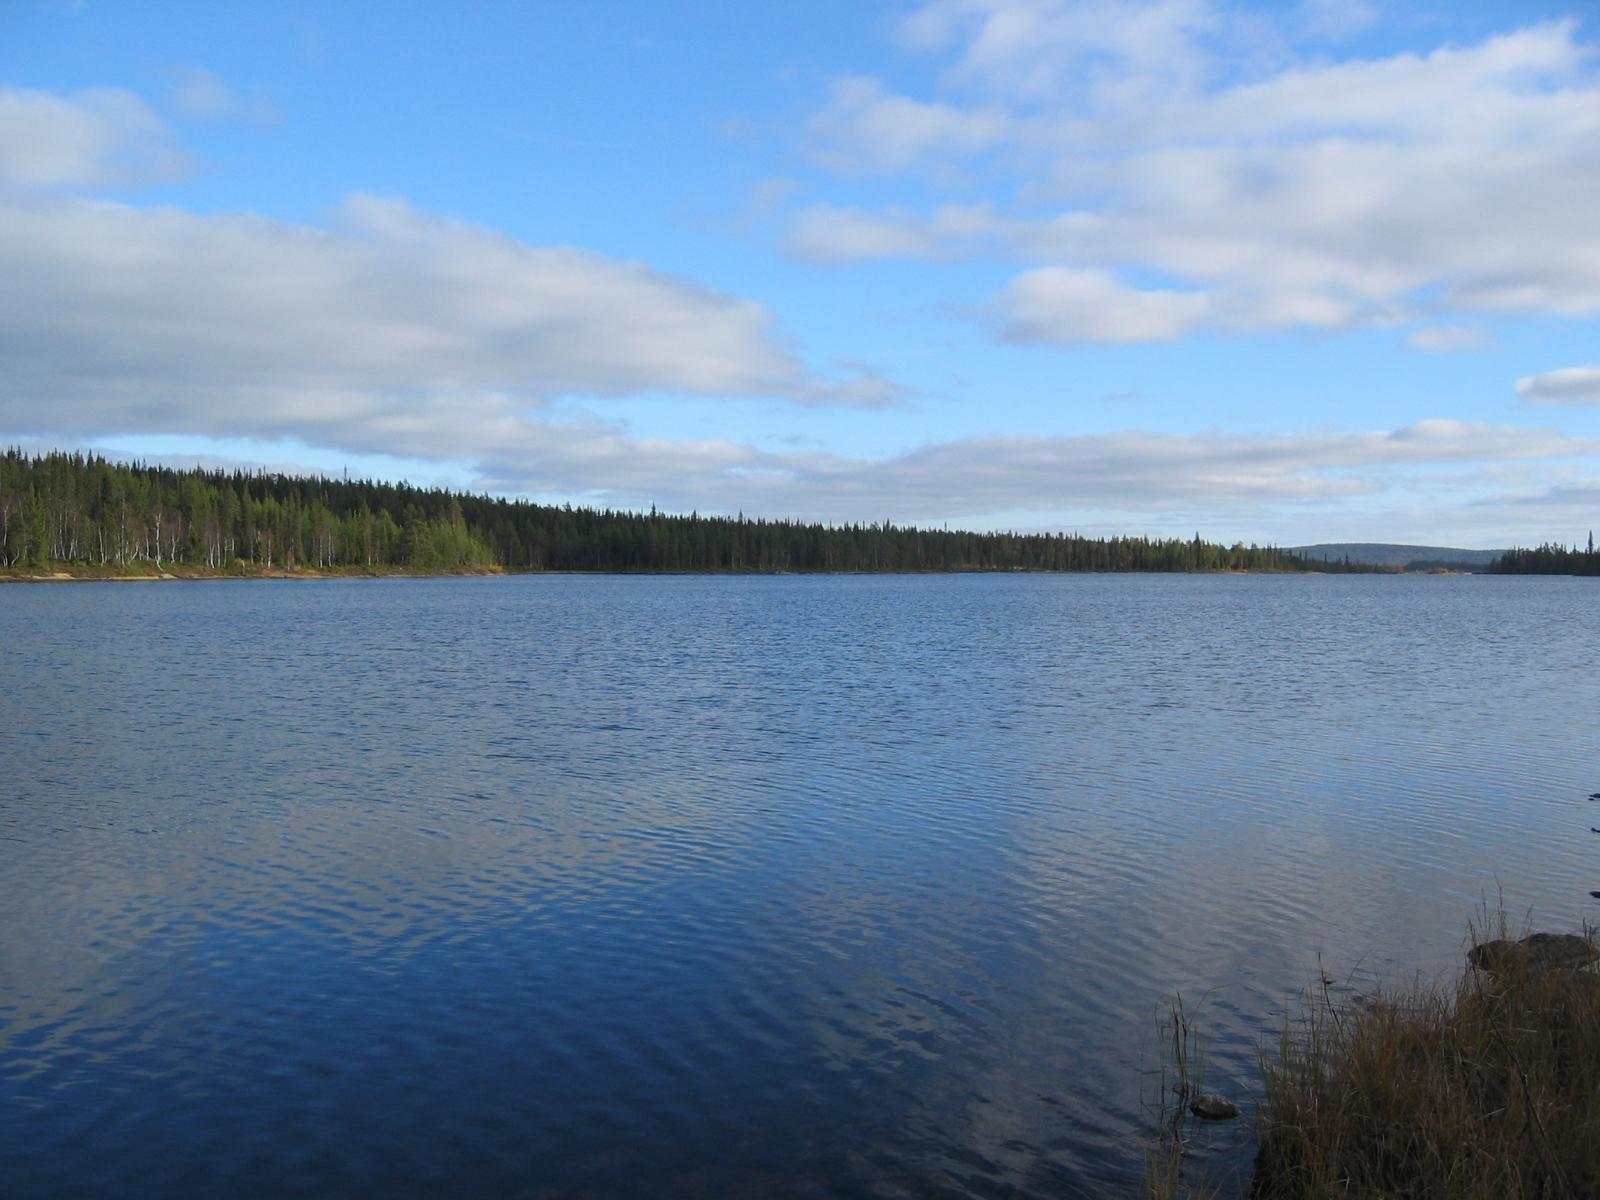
(1487, 1087)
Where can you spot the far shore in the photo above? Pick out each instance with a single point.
(179, 572)
(79, 573)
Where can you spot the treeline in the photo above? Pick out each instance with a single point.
(1548, 559)
(72, 509)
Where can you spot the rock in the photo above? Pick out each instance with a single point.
(1212, 1107)
(1538, 951)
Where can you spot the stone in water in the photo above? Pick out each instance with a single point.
(1212, 1107)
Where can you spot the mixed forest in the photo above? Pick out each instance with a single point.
(79, 511)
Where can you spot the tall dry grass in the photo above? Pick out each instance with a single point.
(1489, 1089)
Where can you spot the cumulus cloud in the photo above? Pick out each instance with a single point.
(1573, 385)
(102, 137)
(1144, 138)
(391, 330)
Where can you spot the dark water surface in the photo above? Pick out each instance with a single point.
(639, 887)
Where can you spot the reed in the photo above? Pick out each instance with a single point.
(1181, 1073)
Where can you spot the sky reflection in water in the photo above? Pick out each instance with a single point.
(785, 886)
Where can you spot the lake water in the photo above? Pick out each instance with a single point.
(800, 886)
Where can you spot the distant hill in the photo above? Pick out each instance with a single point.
(1386, 554)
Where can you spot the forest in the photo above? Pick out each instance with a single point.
(1548, 559)
(60, 510)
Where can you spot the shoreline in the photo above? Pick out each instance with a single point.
(184, 574)
(1482, 1084)
(181, 574)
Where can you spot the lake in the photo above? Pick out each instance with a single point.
(768, 886)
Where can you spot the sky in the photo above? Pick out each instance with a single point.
(1326, 270)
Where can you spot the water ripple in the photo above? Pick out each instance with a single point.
(827, 887)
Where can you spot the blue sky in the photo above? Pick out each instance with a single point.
(1327, 270)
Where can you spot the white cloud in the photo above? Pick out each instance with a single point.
(1447, 339)
(1037, 51)
(864, 130)
(826, 233)
(1572, 385)
(392, 331)
(1066, 306)
(1579, 500)
(1131, 472)
(103, 137)
(1141, 138)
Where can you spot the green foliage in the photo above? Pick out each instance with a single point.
(73, 509)
(444, 544)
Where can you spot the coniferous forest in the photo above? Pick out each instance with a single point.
(74, 510)
(1549, 559)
